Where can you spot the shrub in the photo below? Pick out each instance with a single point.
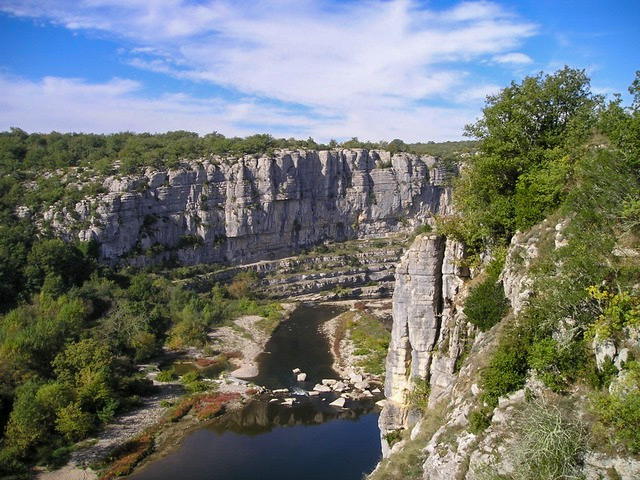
(486, 304)
(419, 394)
(193, 383)
(549, 444)
(479, 420)
(243, 285)
(619, 411)
(73, 422)
(507, 368)
(166, 375)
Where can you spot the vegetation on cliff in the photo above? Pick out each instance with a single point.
(550, 149)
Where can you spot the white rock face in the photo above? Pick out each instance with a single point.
(429, 330)
(249, 209)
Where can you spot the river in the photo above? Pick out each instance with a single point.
(269, 441)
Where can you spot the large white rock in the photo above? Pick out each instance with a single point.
(338, 402)
(339, 387)
(321, 388)
(301, 377)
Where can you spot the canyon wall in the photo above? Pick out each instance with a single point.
(221, 210)
(432, 342)
(429, 332)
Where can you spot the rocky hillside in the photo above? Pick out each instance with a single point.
(436, 422)
(516, 324)
(221, 210)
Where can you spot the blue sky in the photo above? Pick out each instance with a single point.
(375, 69)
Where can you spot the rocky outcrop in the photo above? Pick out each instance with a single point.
(433, 342)
(252, 208)
(354, 269)
(429, 332)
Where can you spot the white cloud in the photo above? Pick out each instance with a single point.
(513, 57)
(476, 94)
(342, 58)
(66, 104)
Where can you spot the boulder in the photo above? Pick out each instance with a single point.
(338, 402)
(321, 388)
(301, 377)
(339, 387)
(329, 381)
(296, 371)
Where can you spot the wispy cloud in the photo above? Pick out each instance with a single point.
(366, 65)
(514, 57)
(75, 105)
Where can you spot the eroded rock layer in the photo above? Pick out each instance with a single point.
(250, 209)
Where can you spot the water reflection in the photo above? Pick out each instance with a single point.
(260, 416)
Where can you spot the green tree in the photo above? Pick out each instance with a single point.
(55, 258)
(526, 132)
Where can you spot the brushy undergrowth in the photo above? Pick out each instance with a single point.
(371, 341)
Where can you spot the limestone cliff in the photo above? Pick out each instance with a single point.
(433, 342)
(221, 210)
(429, 332)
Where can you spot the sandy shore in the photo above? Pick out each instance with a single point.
(245, 336)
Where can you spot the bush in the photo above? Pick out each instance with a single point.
(73, 422)
(193, 383)
(479, 421)
(619, 411)
(486, 304)
(419, 394)
(166, 375)
(243, 285)
(507, 369)
(548, 444)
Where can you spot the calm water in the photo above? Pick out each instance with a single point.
(297, 343)
(267, 441)
(335, 448)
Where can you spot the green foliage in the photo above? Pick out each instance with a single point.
(393, 437)
(549, 444)
(479, 420)
(73, 422)
(166, 375)
(371, 341)
(525, 133)
(193, 382)
(618, 410)
(243, 285)
(419, 393)
(486, 304)
(617, 311)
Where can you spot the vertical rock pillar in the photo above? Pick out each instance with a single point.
(417, 308)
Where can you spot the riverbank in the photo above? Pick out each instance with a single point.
(239, 342)
(158, 427)
(349, 360)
